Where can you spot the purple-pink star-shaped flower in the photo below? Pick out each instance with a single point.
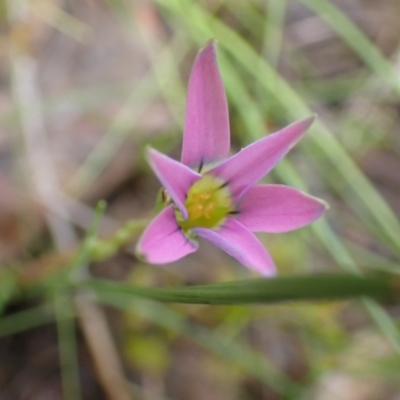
(216, 197)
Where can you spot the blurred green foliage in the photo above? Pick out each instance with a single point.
(272, 76)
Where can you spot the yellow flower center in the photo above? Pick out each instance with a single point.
(208, 203)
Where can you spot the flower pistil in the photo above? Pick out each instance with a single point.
(208, 203)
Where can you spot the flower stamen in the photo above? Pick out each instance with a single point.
(208, 203)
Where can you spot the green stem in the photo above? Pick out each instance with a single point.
(315, 287)
(101, 249)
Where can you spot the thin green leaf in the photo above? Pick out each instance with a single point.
(254, 291)
(83, 257)
(67, 347)
(27, 319)
(357, 40)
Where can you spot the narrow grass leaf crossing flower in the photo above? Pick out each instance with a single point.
(215, 196)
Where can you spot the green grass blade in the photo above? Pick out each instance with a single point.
(263, 291)
(24, 320)
(67, 345)
(357, 40)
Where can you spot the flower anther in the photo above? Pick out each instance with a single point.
(208, 203)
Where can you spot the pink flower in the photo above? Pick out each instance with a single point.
(216, 197)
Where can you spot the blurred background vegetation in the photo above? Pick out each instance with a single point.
(85, 85)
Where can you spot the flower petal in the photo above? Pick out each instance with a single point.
(253, 162)
(277, 208)
(241, 244)
(174, 176)
(163, 241)
(206, 135)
